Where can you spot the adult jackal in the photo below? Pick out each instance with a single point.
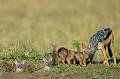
(101, 40)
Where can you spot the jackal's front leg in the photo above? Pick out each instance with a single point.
(105, 56)
(63, 61)
(68, 61)
(84, 62)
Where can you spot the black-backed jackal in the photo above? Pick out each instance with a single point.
(101, 40)
(85, 52)
(17, 66)
(54, 53)
(65, 55)
(20, 65)
(47, 63)
(80, 57)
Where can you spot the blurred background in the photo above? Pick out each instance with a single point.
(58, 21)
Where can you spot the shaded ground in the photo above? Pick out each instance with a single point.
(93, 71)
(96, 70)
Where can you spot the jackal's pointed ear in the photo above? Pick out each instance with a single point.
(23, 62)
(51, 58)
(16, 62)
(90, 45)
(44, 59)
(83, 45)
(54, 45)
(50, 46)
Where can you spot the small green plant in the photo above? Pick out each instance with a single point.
(76, 44)
(11, 56)
(24, 57)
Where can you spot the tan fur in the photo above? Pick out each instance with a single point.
(81, 58)
(66, 55)
(72, 56)
(19, 66)
(54, 53)
(102, 45)
(47, 63)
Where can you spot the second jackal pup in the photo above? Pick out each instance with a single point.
(19, 66)
(47, 63)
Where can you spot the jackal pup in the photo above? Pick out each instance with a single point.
(47, 63)
(54, 53)
(65, 55)
(19, 66)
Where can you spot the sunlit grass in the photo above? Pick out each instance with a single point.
(48, 22)
(57, 21)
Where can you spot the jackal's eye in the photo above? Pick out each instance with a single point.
(20, 66)
(50, 53)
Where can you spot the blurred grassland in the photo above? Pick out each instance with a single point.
(58, 21)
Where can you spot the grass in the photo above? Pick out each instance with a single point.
(28, 27)
(58, 21)
(76, 44)
(24, 49)
(94, 71)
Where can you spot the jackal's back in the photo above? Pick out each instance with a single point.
(100, 36)
(63, 51)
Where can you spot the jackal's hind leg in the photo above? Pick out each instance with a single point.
(113, 51)
(80, 62)
(74, 61)
(90, 60)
